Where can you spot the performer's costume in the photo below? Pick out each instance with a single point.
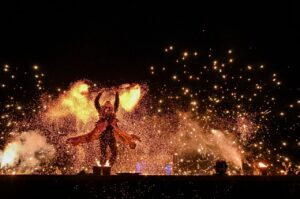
(107, 131)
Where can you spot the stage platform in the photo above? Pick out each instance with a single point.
(90, 186)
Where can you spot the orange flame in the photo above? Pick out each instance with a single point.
(98, 162)
(107, 163)
(130, 97)
(74, 102)
(262, 165)
(77, 102)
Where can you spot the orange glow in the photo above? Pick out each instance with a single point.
(107, 164)
(74, 102)
(130, 97)
(98, 162)
(10, 155)
(262, 165)
(77, 102)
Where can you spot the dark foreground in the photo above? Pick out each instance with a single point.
(88, 186)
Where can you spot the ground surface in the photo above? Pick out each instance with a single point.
(89, 186)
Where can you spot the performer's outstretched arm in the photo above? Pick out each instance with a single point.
(117, 101)
(96, 102)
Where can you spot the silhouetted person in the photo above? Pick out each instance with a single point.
(221, 167)
(290, 171)
(107, 113)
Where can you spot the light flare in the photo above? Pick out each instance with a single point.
(9, 155)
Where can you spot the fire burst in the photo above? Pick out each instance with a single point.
(75, 102)
(130, 96)
(78, 101)
(204, 108)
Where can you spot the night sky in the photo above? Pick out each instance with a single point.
(74, 40)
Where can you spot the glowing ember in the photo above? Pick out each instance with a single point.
(262, 165)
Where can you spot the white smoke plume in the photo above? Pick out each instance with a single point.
(192, 135)
(26, 152)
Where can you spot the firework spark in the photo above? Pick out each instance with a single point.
(199, 108)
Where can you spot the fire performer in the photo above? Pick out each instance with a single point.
(107, 131)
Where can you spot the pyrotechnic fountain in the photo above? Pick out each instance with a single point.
(73, 113)
(181, 127)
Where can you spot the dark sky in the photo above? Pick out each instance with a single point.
(72, 40)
